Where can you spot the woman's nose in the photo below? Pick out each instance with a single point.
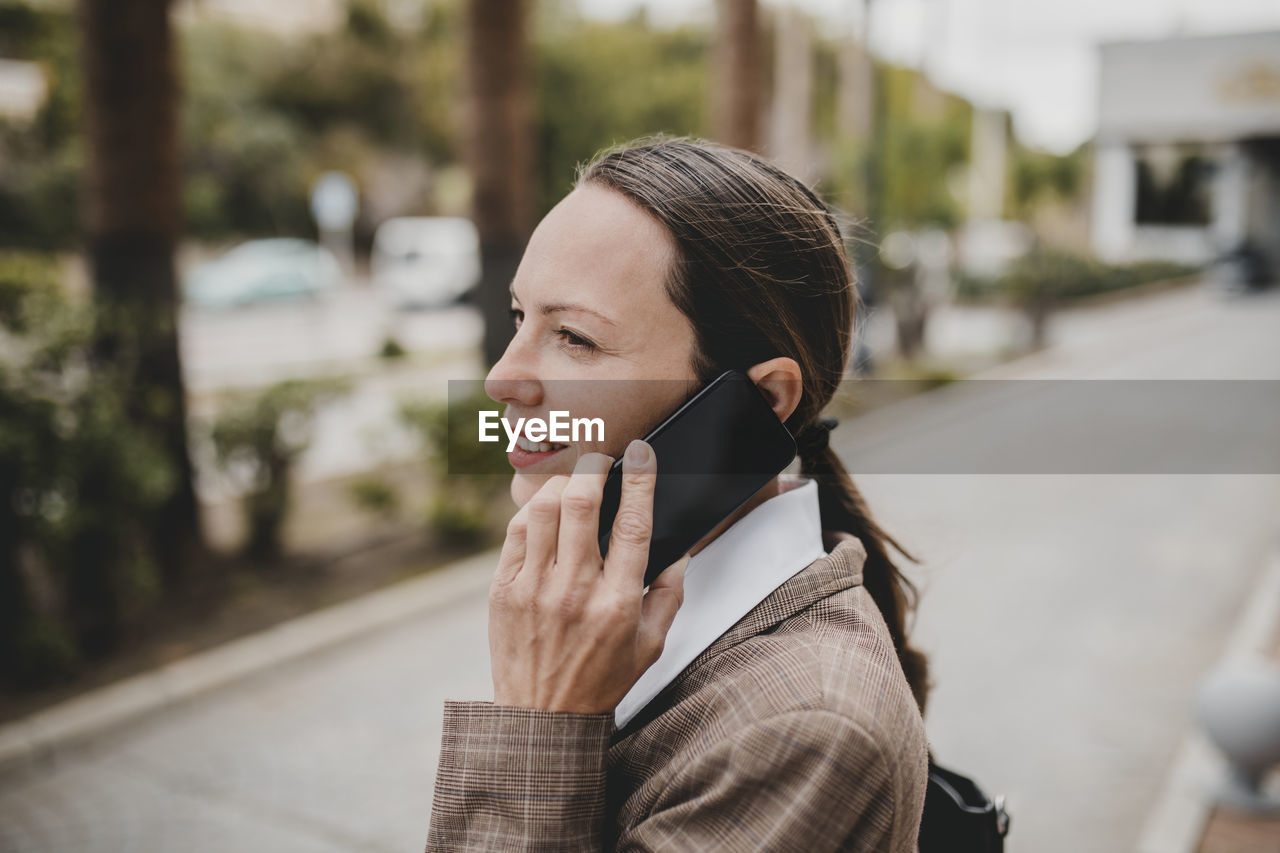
(513, 379)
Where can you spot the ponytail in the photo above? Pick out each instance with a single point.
(843, 508)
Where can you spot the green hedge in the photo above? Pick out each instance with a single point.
(1064, 277)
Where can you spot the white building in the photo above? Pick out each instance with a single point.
(1187, 157)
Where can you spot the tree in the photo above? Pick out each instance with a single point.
(604, 83)
(737, 82)
(131, 221)
(500, 151)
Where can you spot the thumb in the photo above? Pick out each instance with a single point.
(658, 611)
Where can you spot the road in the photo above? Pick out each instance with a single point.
(1068, 618)
(256, 344)
(337, 334)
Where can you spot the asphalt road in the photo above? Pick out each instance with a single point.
(255, 344)
(1068, 618)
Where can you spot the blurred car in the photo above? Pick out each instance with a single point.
(264, 271)
(426, 261)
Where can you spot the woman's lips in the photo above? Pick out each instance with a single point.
(521, 458)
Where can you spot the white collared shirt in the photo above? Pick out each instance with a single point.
(725, 580)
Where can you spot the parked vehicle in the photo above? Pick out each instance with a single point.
(263, 271)
(426, 261)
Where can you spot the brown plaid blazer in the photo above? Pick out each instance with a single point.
(794, 731)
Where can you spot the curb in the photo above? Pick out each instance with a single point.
(44, 735)
(1176, 823)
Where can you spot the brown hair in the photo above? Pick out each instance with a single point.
(761, 272)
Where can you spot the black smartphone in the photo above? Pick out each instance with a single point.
(718, 449)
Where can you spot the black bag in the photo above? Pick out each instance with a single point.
(959, 817)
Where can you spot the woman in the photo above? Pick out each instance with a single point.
(773, 702)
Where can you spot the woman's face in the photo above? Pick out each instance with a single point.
(590, 305)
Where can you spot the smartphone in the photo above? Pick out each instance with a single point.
(714, 452)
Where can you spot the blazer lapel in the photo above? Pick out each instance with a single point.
(841, 569)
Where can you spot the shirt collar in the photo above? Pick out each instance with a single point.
(730, 576)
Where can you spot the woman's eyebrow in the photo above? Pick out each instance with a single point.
(553, 307)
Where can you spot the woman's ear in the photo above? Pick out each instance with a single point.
(780, 382)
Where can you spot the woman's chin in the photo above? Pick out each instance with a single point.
(525, 482)
(520, 492)
(524, 485)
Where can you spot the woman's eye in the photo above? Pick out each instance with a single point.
(569, 340)
(574, 341)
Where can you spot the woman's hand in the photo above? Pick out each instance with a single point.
(569, 630)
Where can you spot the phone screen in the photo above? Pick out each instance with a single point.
(714, 452)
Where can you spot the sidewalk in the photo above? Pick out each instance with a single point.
(46, 736)
(1186, 819)
(1232, 832)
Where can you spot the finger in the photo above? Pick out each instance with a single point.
(661, 602)
(633, 525)
(543, 525)
(578, 546)
(513, 547)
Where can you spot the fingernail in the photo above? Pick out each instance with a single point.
(638, 453)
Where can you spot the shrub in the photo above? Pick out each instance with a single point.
(26, 276)
(376, 496)
(1055, 276)
(77, 482)
(1045, 279)
(392, 349)
(44, 652)
(458, 525)
(470, 478)
(257, 439)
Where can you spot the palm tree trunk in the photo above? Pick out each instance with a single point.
(131, 217)
(736, 109)
(501, 154)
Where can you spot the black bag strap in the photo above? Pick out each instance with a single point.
(959, 817)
